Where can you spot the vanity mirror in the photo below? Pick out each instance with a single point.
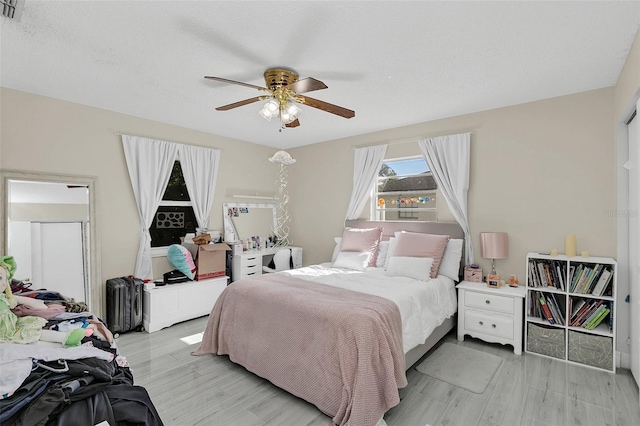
(49, 226)
(244, 220)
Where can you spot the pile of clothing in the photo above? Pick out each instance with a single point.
(60, 364)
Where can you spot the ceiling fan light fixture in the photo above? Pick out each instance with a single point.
(272, 106)
(265, 114)
(286, 117)
(270, 109)
(292, 109)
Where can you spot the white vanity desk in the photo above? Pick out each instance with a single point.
(250, 262)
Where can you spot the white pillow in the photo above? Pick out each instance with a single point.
(383, 249)
(390, 250)
(418, 268)
(336, 249)
(352, 260)
(450, 265)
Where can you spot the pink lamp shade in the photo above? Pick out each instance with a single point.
(494, 245)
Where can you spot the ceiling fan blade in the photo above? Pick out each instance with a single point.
(308, 84)
(326, 106)
(240, 103)
(226, 80)
(294, 123)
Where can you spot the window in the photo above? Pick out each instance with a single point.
(405, 190)
(174, 217)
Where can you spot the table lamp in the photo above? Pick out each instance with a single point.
(494, 245)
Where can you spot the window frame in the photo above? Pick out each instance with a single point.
(378, 214)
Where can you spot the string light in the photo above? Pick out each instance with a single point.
(282, 213)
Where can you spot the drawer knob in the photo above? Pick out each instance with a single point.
(487, 302)
(480, 322)
(493, 325)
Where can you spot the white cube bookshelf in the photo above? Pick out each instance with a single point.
(566, 285)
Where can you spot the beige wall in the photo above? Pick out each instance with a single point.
(535, 169)
(48, 135)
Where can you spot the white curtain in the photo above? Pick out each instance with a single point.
(150, 163)
(366, 165)
(448, 157)
(200, 170)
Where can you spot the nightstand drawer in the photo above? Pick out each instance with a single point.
(489, 323)
(489, 301)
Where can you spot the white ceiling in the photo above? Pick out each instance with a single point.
(394, 63)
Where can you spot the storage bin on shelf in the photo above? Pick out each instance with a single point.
(591, 349)
(545, 340)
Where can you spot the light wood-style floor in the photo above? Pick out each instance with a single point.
(526, 390)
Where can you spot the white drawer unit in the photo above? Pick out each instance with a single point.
(173, 303)
(251, 262)
(246, 265)
(491, 314)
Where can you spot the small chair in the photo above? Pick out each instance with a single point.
(281, 261)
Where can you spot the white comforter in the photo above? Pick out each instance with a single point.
(423, 305)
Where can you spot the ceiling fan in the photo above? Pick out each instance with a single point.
(282, 93)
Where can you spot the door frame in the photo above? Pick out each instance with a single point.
(96, 289)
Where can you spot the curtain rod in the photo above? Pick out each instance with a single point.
(182, 143)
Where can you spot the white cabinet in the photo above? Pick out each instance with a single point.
(571, 309)
(172, 303)
(491, 314)
(251, 262)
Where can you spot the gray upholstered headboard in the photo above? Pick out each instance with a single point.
(452, 229)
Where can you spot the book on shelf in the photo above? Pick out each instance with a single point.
(593, 279)
(572, 269)
(546, 310)
(611, 318)
(594, 313)
(602, 314)
(580, 312)
(560, 274)
(542, 274)
(576, 277)
(584, 278)
(555, 309)
(575, 307)
(593, 306)
(603, 281)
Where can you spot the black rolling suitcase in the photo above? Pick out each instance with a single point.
(124, 304)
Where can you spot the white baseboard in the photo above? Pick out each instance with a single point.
(623, 360)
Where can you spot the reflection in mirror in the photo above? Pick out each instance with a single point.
(48, 230)
(242, 220)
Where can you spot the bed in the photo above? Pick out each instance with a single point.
(337, 337)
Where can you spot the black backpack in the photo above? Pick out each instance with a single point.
(175, 277)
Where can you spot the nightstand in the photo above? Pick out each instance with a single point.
(491, 314)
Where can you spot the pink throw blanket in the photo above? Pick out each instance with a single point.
(338, 349)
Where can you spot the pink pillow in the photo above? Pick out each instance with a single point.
(362, 241)
(410, 244)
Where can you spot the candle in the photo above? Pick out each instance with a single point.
(570, 245)
(584, 253)
(554, 252)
